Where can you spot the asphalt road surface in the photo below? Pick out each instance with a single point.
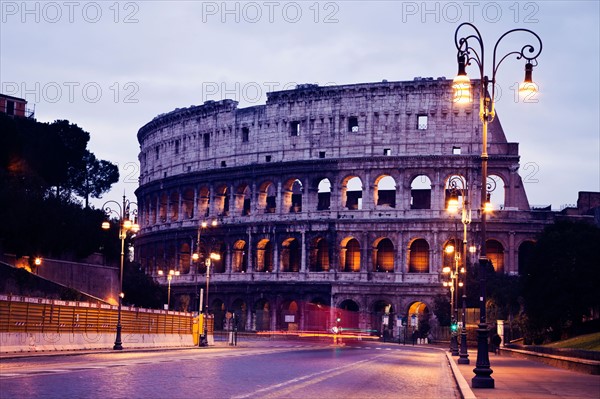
(257, 370)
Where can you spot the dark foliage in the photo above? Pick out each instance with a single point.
(560, 285)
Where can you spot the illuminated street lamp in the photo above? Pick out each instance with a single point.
(169, 278)
(202, 225)
(459, 185)
(125, 214)
(471, 50)
(209, 259)
(453, 282)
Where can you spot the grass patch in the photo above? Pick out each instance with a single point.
(590, 342)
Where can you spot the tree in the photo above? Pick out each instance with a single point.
(39, 214)
(93, 178)
(560, 285)
(140, 289)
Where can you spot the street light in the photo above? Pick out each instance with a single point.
(462, 95)
(202, 225)
(209, 259)
(453, 282)
(459, 185)
(124, 213)
(169, 278)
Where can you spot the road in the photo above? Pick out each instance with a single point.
(256, 370)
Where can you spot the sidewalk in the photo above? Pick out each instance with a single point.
(522, 378)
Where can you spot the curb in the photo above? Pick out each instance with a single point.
(463, 386)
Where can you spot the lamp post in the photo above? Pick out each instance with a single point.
(459, 185)
(209, 259)
(453, 283)
(202, 225)
(169, 278)
(123, 212)
(467, 54)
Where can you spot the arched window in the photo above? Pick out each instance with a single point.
(264, 256)
(419, 257)
(290, 256)
(495, 187)
(385, 191)
(267, 197)
(352, 193)
(188, 203)
(350, 256)
(240, 257)
(324, 194)
(384, 257)
(495, 253)
(319, 255)
(420, 193)
(203, 202)
(184, 258)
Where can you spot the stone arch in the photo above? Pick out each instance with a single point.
(162, 207)
(319, 255)
(243, 200)
(184, 258)
(420, 192)
(350, 255)
(203, 202)
(526, 252)
(292, 195)
(495, 253)
(174, 206)
(240, 309)
(349, 313)
(352, 189)
(222, 200)
(240, 257)
(217, 309)
(418, 316)
(267, 197)
(187, 203)
(262, 316)
(316, 315)
(290, 255)
(264, 256)
(379, 322)
(324, 195)
(384, 255)
(418, 257)
(289, 316)
(496, 189)
(384, 192)
(218, 265)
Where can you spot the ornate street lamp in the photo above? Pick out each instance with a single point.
(454, 283)
(467, 54)
(169, 278)
(209, 259)
(127, 222)
(459, 185)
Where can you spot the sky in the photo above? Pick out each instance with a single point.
(110, 67)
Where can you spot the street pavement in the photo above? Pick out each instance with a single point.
(517, 378)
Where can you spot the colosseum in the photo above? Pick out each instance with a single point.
(328, 201)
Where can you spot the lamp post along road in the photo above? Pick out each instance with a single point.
(471, 50)
(209, 259)
(459, 185)
(125, 214)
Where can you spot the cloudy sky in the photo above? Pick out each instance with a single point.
(111, 67)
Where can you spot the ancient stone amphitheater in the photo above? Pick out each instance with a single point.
(329, 202)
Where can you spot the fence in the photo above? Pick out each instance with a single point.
(55, 318)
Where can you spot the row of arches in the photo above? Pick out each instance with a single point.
(293, 254)
(293, 196)
(265, 314)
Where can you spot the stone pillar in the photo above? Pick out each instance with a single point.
(511, 264)
(250, 250)
(303, 251)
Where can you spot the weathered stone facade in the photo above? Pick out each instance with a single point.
(326, 198)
